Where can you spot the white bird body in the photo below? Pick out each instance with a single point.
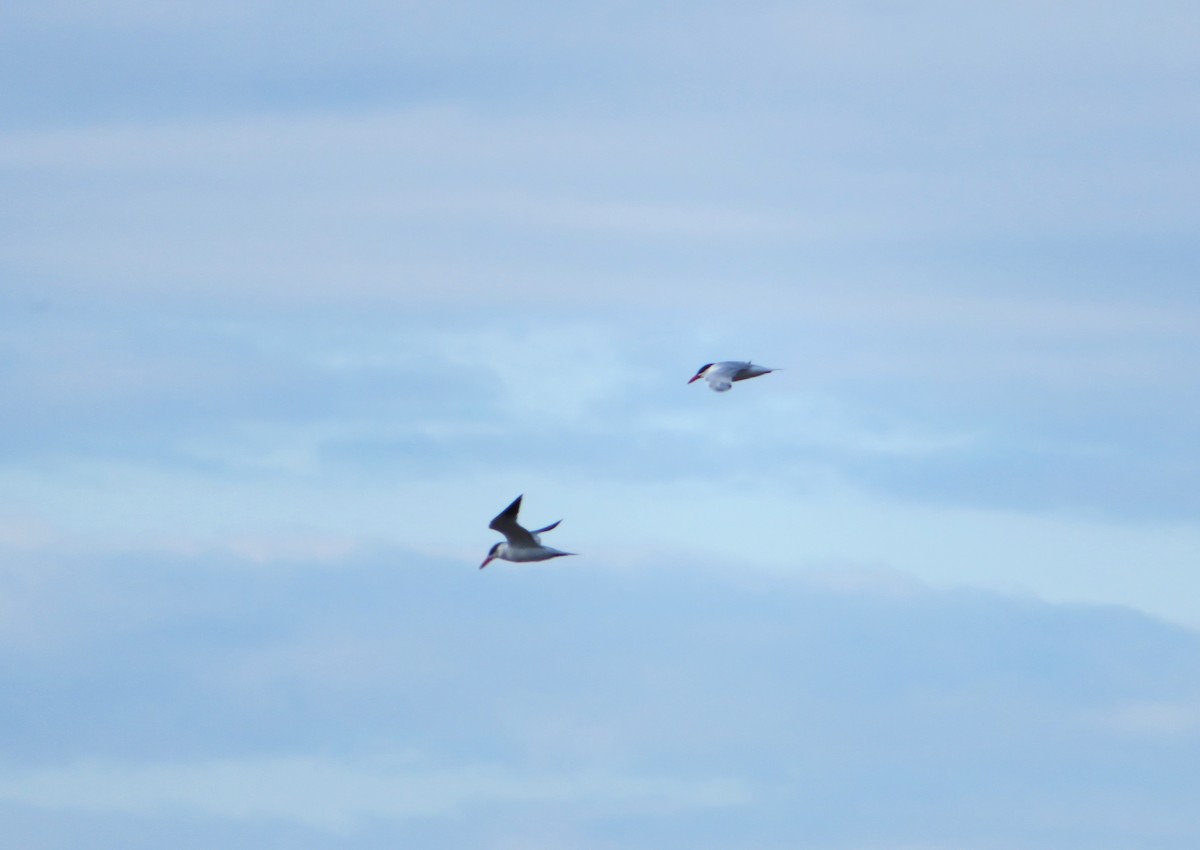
(519, 544)
(720, 376)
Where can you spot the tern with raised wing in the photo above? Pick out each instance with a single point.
(519, 544)
(720, 376)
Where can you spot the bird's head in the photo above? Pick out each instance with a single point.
(492, 554)
(700, 372)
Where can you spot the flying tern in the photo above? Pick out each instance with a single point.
(520, 544)
(720, 376)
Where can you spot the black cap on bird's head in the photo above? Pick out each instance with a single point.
(700, 372)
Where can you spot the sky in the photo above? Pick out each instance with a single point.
(296, 297)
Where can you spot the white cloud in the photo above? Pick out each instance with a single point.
(339, 794)
(1155, 718)
(451, 203)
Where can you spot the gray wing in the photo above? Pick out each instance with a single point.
(506, 523)
(750, 370)
(550, 527)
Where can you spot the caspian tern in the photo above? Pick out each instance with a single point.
(520, 544)
(720, 376)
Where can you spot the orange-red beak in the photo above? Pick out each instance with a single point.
(486, 561)
(695, 377)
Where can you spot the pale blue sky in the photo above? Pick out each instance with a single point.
(296, 297)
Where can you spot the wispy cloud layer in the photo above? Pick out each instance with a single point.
(338, 796)
(346, 697)
(296, 297)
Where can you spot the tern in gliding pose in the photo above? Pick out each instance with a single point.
(720, 376)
